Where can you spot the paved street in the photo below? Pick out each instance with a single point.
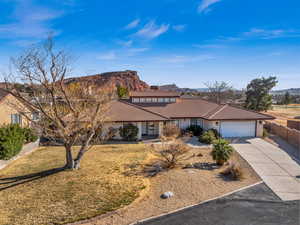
(257, 205)
(276, 167)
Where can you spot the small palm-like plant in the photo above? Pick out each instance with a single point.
(221, 151)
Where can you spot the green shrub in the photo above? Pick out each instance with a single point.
(11, 141)
(129, 132)
(208, 137)
(195, 129)
(221, 151)
(217, 134)
(30, 135)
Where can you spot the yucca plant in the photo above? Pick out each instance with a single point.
(221, 151)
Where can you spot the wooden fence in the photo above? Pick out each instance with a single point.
(292, 136)
(293, 124)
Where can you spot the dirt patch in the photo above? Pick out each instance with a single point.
(190, 186)
(283, 113)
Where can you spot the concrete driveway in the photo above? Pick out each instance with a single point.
(276, 168)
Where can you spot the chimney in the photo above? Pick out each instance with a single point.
(154, 87)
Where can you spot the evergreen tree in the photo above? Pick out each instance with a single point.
(258, 97)
(287, 99)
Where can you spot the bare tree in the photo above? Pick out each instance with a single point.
(219, 91)
(72, 114)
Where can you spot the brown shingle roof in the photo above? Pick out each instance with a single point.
(228, 112)
(184, 108)
(154, 93)
(121, 111)
(3, 94)
(199, 108)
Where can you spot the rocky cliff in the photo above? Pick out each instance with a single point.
(112, 80)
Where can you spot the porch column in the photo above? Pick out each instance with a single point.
(139, 125)
(160, 128)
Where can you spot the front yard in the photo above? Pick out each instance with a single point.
(68, 196)
(103, 185)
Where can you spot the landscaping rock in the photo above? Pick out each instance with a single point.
(167, 194)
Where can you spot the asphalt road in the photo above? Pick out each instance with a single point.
(257, 205)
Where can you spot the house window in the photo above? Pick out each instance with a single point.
(142, 99)
(16, 119)
(154, 99)
(136, 100)
(197, 122)
(167, 100)
(160, 100)
(148, 99)
(172, 99)
(194, 122)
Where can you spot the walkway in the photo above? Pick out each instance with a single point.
(276, 167)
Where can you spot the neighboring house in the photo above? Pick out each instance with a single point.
(8, 110)
(150, 110)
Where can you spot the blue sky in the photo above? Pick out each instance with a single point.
(167, 41)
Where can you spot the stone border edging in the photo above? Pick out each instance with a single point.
(190, 206)
(26, 149)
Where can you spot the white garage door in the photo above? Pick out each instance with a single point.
(238, 129)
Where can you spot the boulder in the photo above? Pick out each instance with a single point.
(167, 194)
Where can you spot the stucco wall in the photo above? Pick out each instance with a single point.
(7, 108)
(292, 136)
(115, 126)
(259, 128)
(211, 125)
(293, 124)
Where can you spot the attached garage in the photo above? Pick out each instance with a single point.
(238, 128)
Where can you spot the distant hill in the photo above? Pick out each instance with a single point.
(292, 91)
(112, 80)
(174, 87)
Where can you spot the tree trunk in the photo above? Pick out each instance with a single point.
(74, 164)
(69, 158)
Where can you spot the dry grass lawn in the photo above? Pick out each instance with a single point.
(68, 196)
(283, 113)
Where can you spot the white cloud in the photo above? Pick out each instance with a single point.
(151, 30)
(266, 34)
(257, 33)
(179, 27)
(185, 58)
(275, 54)
(133, 24)
(205, 4)
(125, 43)
(108, 56)
(135, 51)
(30, 21)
